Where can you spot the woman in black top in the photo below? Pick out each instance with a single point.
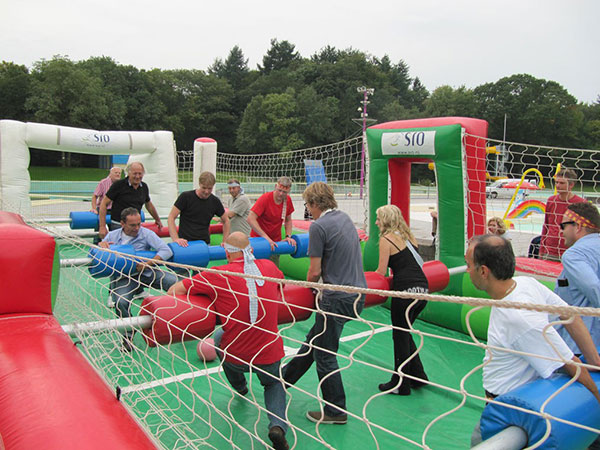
(397, 250)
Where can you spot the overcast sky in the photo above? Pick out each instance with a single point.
(454, 42)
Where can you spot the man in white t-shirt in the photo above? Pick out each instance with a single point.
(491, 266)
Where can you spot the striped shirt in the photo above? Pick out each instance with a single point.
(101, 191)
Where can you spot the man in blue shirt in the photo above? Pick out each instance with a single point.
(579, 282)
(124, 287)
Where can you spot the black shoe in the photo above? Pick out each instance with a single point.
(319, 417)
(418, 384)
(243, 391)
(277, 436)
(403, 389)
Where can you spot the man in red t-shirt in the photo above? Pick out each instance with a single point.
(248, 310)
(552, 244)
(270, 211)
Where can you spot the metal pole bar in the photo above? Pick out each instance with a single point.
(127, 323)
(511, 438)
(75, 262)
(457, 269)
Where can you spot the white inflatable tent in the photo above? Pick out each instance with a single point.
(155, 149)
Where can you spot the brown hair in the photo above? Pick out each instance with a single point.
(320, 195)
(207, 179)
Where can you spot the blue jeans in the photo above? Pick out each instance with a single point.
(268, 375)
(321, 346)
(124, 288)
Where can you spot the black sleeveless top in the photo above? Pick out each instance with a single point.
(406, 270)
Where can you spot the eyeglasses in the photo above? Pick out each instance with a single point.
(564, 224)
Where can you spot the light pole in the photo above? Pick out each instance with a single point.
(363, 114)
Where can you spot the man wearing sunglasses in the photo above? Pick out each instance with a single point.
(270, 211)
(579, 282)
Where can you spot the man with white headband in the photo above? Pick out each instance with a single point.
(248, 308)
(579, 282)
(238, 208)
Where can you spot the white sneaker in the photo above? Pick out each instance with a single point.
(110, 303)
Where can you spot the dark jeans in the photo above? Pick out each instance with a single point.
(124, 288)
(321, 346)
(274, 393)
(404, 345)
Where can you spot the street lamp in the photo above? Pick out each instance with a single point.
(363, 114)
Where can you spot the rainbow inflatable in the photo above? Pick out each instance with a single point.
(527, 207)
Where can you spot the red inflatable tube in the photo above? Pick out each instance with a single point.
(376, 281)
(299, 304)
(215, 228)
(175, 319)
(437, 275)
(50, 396)
(192, 316)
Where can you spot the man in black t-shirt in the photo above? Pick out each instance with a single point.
(197, 208)
(129, 192)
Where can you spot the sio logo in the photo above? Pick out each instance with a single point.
(96, 139)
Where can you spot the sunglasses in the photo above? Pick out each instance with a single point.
(564, 224)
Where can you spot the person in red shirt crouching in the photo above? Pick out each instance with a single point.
(247, 308)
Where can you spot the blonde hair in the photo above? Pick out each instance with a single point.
(500, 225)
(320, 195)
(391, 221)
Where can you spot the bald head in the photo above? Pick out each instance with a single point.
(238, 239)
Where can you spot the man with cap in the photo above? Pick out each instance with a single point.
(579, 282)
(249, 338)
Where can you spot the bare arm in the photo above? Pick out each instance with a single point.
(102, 231)
(582, 338)
(584, 377)
(94, 204)
(152, 210)
(314, 270)
(177, 289)
(173, 233)
(252, 220)
(289, 228)
(384, 256)
(226, 226)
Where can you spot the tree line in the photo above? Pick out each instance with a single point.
(286, 103)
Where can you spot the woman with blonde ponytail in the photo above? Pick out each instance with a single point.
(397, 250)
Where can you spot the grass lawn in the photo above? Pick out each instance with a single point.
(67, 173)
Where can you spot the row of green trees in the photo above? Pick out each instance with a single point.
(287, 102)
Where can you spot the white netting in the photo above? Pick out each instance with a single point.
(339, 164)
(507, 162)
(188, 403)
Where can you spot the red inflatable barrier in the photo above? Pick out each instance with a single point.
(25, 250)
(176, 318)
(51, 398)
(10, 217)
